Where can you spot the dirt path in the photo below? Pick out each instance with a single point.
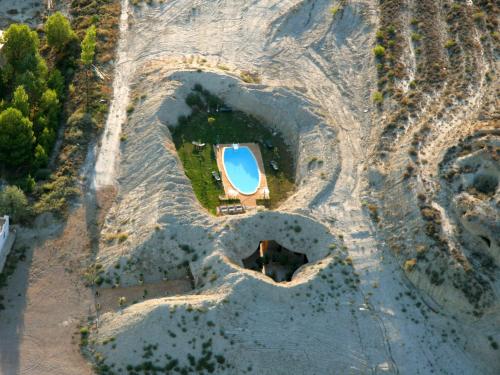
(104, 175)
(45, 300)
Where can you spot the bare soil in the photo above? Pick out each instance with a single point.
(46, 300)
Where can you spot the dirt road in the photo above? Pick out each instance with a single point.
(46, 300)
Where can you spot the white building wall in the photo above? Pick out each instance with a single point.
(4, 236)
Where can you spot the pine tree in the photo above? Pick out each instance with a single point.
(16, 138)
(20, 100)
(59, 31)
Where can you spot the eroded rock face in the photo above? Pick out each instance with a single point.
(471, 173)
(156, 227)
(308, 74)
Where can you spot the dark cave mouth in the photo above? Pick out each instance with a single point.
(275, 261)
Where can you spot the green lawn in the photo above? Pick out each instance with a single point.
(228, 127)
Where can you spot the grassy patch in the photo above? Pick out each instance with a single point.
(227, 127)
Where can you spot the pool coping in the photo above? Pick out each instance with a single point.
(246, 200)
(256, 163)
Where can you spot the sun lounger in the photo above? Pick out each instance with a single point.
(216, 176)
(222, 210)
(198, 144)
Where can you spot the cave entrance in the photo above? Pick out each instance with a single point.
(275, 261)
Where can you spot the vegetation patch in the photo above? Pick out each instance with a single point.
(209, 126)
(48, 82)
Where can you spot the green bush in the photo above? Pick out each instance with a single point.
(416, 37)
(21, 47)
(58, 31)
(20, 101)
(379, 51)
(14, 203)
(450, 43)
(378, 97)
(41, 157)
(193, 100)
(16, 138)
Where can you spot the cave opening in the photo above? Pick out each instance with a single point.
(275, 261)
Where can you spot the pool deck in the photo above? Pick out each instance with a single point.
(246, 200)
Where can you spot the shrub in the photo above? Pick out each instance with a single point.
(21, 47)
(13, 202)
(379, 51)
(410, 265)
(56, 195)
(58, 31)
(56, 82)
(416, 37)
(378, 97)
(41, 158)
(486, 184)
(334, 10)
(478, 16)
(20, 101)
(81, 120)
(450, 43)
(193, 100)
(16, 137)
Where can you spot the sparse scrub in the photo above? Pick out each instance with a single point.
(379, 51)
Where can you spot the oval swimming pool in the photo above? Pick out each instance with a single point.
(242, 169)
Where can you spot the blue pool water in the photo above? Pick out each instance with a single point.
(241, 169)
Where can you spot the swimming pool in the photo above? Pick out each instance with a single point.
(242, 169)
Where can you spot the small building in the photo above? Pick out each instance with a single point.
(5, 241)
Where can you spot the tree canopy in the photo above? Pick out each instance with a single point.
(88, 46)
(21, 47)
(58, 31)
(20, 100)
(16, 138)
(13, 202)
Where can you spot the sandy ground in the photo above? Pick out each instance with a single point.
(109, 298)
(316, 76)
(45, 298)
(23, 11)
(46, 301)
